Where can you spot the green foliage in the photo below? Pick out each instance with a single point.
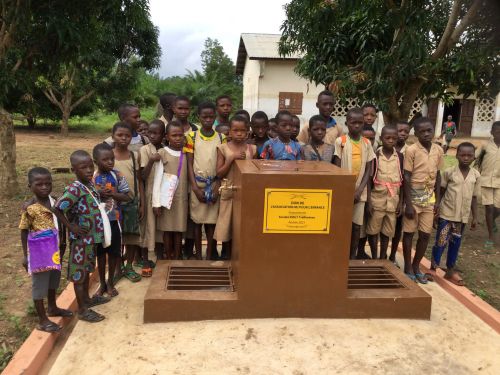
(388, 51)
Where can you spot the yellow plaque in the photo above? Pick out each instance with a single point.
(297, 211)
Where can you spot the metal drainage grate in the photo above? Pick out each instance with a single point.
(372, 277)
(200, 278)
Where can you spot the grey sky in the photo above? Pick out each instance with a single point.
(184, 26)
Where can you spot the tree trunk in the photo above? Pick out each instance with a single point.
(8, 176)
(31, 121)
(65, 122)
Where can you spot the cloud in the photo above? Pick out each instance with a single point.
(184, 26)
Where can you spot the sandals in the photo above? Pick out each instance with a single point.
(488, 245)
(61, 312)
(98, 300)
(454, 278)
(147, 272)
(411, 276)
(421, 278)
(49, 327)
(130, 274)
(90, 316)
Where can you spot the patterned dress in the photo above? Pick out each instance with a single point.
(79, 204)
(274, 149)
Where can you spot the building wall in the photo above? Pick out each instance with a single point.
(251, 85)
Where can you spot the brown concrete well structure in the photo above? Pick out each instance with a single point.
(302, 271)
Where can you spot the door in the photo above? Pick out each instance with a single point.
(466, 117)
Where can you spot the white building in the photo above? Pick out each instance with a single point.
(270, 84)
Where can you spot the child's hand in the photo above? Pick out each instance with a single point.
(141, 211)
(199, 194)
(155, 157)
(105, 193)
(473, 225)
(436, 210)
(409, 211)
(25, 263)
(241, 156)
(215, 190)
(369, 209)
(79, 231)
(157, 211)
(399, 210)
(435, 222)
(357, 196)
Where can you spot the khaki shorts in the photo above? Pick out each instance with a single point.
(382, 222)
(490, 196)
(358, 213)
(422, 221)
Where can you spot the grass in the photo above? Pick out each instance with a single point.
(97, 122)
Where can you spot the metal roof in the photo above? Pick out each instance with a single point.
(259, 47)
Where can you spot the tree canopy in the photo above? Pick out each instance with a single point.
(391, 52)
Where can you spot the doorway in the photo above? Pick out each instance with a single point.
(454, 111)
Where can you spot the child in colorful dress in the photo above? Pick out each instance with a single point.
(422, 186)
(403, 134)
(386, 200)
(260, 128)
(317, 149)
(236, 149)
(355, 153)
(172, 221)
(459, 190)
(128, 163)
(78, 209)
(201, 150)
(113, 189)
(41, 237)
(282, 147)
(150, 158)
(489, 166)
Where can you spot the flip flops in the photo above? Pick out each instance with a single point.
(411, 276)
(454, 278)
(98, 300)
(90, 316)
(130, 274)
(49, 327)
(61, 312)
(421, 278)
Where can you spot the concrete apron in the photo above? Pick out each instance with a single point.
(454, 341)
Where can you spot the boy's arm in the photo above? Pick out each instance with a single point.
(364, 182)
(409, 209)
(223, 164)
(437, 192)
(24, 243)
(473, 208)
(192, 180)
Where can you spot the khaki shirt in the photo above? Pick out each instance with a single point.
(490, 167)
(387, 179)
(456, 202)
(423, 165)
(331, 134)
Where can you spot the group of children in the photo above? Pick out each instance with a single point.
(154, 188)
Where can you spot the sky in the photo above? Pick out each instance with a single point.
(184, 25)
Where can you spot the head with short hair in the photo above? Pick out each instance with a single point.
(369, 133)
(389, 129)
(156, 132)
(223, 106)
(122, 135)
(424, 130)
(355, 121)
(242, 112)
(181, 108)
(175, 135)
(260, 115)
(315, 120)
(466, 154)
(221, 97)
(260, 125)
(389, 137)
(167, 100)
(104, 157)
(37, 171)
(206, 114)
(82, 166)
(99, 148)
(79, 155)
(130, 114)
(369, 113)
(495, 130)
(465, 145)
(421, 121)
(325, 103)
(121, 125)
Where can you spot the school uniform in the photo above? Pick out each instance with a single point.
(385, 194)
(424, 166)
(323, 152)
(136, 142)
(223, 229)
(333, 131)
(148, 225)
(454, 212)
(353, 156)
(174, 219)
(204, 150)
(490, 174)
(275, 149)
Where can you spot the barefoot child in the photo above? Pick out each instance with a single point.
(489, 166)
(236, 149)
(150, 158)
(282, 147)
(172, 221)
(260, 127)
(459, 188)
(403, 134)
(78, 209)
(201, 150)
(422, 185)
(128, 163)
(43, 248)
(355, 153)
(386, 200)
(316, 148)
(113, 189)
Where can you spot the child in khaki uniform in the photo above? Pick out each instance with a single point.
(355, 153)
(386, 199)
(422, 182)
(489, 165)
(459, 189)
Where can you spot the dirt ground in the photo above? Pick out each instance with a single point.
(481, 270)
(454, 341)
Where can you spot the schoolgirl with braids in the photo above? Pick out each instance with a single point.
(201, 151)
